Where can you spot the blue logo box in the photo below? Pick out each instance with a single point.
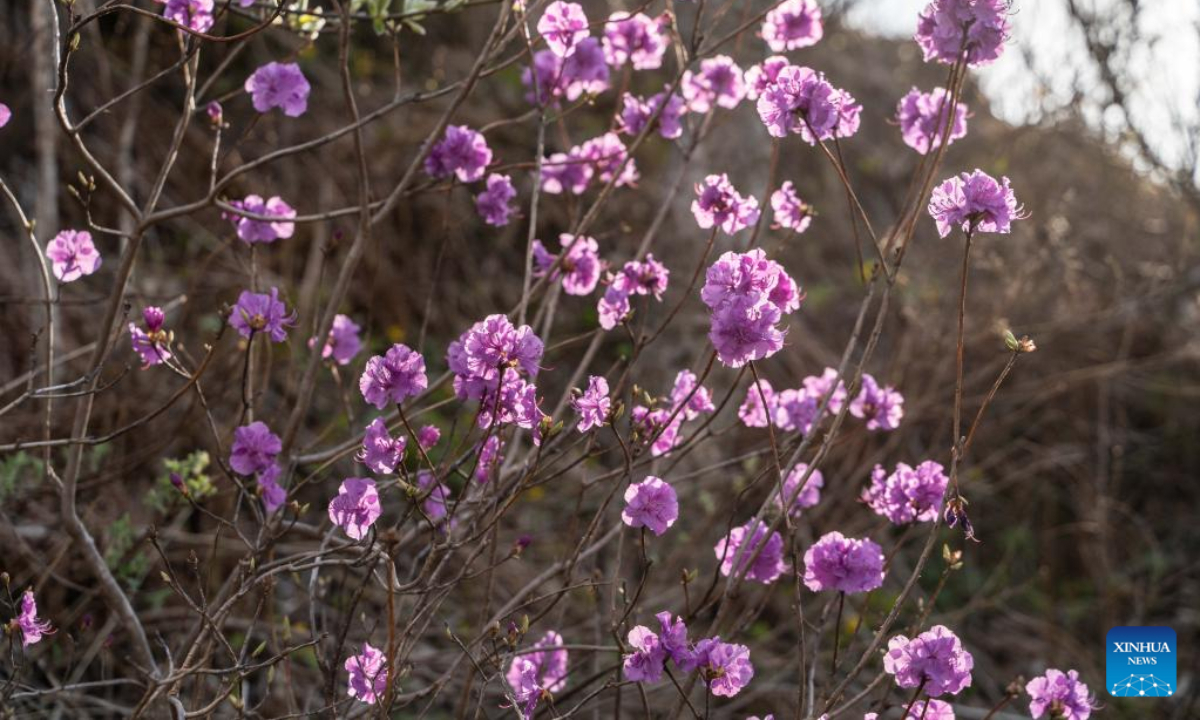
(1140, 662)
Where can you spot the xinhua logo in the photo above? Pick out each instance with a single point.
(1140, 662)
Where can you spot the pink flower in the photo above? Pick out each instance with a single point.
(793, 24)
(930, 710)
(719, 203)
(551, 77)
(493, 203)
(819, 387)
(566, 173)
(645, 663)
(763, 75)
(948, 28)
(636, 39)
(974, 200)
(608, 156)
(922, 117)
(279, 85)
(795, 411)
(428, 436)
(580, 267)
(719, 82)
(563, 26)
(848, 565)
(196, 15)
(343, 343)
(152, 343)
(881, 407)
(725, 667)
(802, 102)
(908, 494)
(368, 674)
(650, 504)
(273, 494)
(462, 152)
(1061, 695)
(593, 404)
(394, 377)
(32, 628)
(935, 660)
(767, 567)
(261, 313)
(73, 255)
(5, 115)
(806, 498)
(489, 460)
(790, 211)
(533, 674)
(613, 308)
(261, 231)
(758, 405)
(254, 448)
(380, 451)
(699, 401)
(356, 507)
(636, 112)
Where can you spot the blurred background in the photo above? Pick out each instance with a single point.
(1084, 480)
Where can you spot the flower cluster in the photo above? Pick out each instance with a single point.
(908, 494)
(792, 410)
(718, 203)
(254, 451)
(579, 266)
(593, 404)
(356, 506)
(72, 255)
(793, 24)
(279, 85)
(534, 675)
(934, 660)
(724, 667)
(748, 294)
(757, 554)
(651, 504)
(790, 211)
(380, 451)
(801, 101)
(975, 202)
(848, 565)
(604, 158)
(261, 313)
(1061, 695)
(637, 112)
(950, 29)
(660, 425)
(195, 15)
(636, 277)
(393, 377)
(461, 152)
(923, 118)
(493, 203)
(368, 674)
(718, 83)
(492, 362)
(252, 231)
(551, 76)
(152, 343)
(635, 39)
(804, 496)
(880, 406)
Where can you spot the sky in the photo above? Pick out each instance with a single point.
(1166, 60)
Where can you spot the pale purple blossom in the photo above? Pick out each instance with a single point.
(196, 15)
(254, 448)
(613, 308)
(719, 203)
(462, 152)
(493, 203)
(636, 39)
(608, 156)
(563, 26)
(881, 407)
(551, 77)
(356, 507)
(742, 543)
(489, 459)
(252, 231)
(1061, 695)
(742, 331)
(673, 636)
(930, 710)
(756, 409)
(152, 343)
(794, 411)
(533, 674)
(763, 75)
(273, 494)
(262, 313)
(593, 404)
(946, 29)
(974, 201)
(659, 425)
(343, 343)
(279, 85)
(793, 24)
(748, 294)
(848, 565)
(645, 663)
(368, 674)
(72, 255)
(489, 362)
(699, 401)
(724, 667)
(908, 494)
(819, 386)
(636, 112)
(718, 82)
(32, 628)
(5, 115)
(651, 504)
(801, 101)
(790, 211)
(380, 451)
(428, 436)
(437, 496)
(807, 497)
(934, 660)
(393, 377)
(923, 116)
(645, 277)
(580, 266)
(566, 172)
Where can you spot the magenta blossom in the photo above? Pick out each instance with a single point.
(790, 211)
(724, 667)
(196, 15)
(279, 85)
(651, 504)
(563, 172)
(428, 436)
(394, 377)
(489, 460)
(647, 277)
(563, 26)
(808, 496)
(551, 77)
(5, 115)
(802, 102)
(1061, 695)
(758, 406)
(152, 343)
(795, 411)
(356, 507)
(934, 660)
(531, 675)
(946, 29)
(610, 159)
(975, 202)
(261, 231)
(645, 663)
(848, 565)
(636, 113)
(368, 674)
(343, 343)
(254, 448)
(930, 710)
(923, 116)
(747, 294)
(73, 255)
(819, 386)
(793, 24)
(493, 203)
(593, 404)
(656, 425)
(763, 75)
(580, 266)
(908, 494)
(740, 546)
(380, 451)
(273, 494)
(881, 407)
(719, 82)
(462, 152)
(635, 39)
(719, 203)
(32, 628)
(688, 390)
(261, 313)
(673, 636)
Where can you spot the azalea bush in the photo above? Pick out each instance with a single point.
(597, 478)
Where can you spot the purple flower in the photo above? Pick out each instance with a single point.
(5, 114)
(563, 26)
(551, 77)
(261, 313)
(650, 504)
(273, 494)
(809, 496)
(974, 200)
(922, 116)
(356, 507)
(196, 15)
(930, 710)
(802, 102)
(608, 156)
(645, 663)
(719, 82)
(725, 667)
(848, 565)
(748, 294)
(368, 674)
(152, 343)
(489, 459)
(793, 24)
(31, 626)
(718, 203)
(818, 387)
(437, 498)
(394, 377)
(428, 436)
(947, 28)
(908, 494)
(73, 255)
(493, 203)
(593, 404)
(635, 39)
(280, 85)
(216, 114)
(261, 231)
(657, 425)
(1061, 695)
(648, 277)
(935, 659)
(769, 564)
(673, 636)
(636, 112)
(758, 405)
(493, 343)
(462, 152)
(763, 75)
(254, 448)
(742, 332)
(613, 308)
(795, 411)
(790, 211)
(533, 674)
(566, 173)
(343, 343)
(698, 402)
(380, 451)
(580, 265)
(881, 407)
